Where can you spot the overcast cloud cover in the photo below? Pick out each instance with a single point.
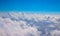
(25, 24)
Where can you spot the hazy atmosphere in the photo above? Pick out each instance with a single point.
(29, 17)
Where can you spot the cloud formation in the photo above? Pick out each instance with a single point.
(25, 24)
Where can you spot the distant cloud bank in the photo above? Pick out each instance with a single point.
(25, 24)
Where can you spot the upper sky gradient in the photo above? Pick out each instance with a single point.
(30, 5)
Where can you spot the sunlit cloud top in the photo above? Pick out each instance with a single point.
(23, 24)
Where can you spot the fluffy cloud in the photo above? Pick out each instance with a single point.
(27, 24)
(16, 28)
(55, 33)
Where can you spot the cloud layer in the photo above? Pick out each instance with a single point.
(27, 24)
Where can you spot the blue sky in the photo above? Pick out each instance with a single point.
(31, 5)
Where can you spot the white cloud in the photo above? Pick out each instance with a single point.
(21, 27)
(55, 33)
(17, 28)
